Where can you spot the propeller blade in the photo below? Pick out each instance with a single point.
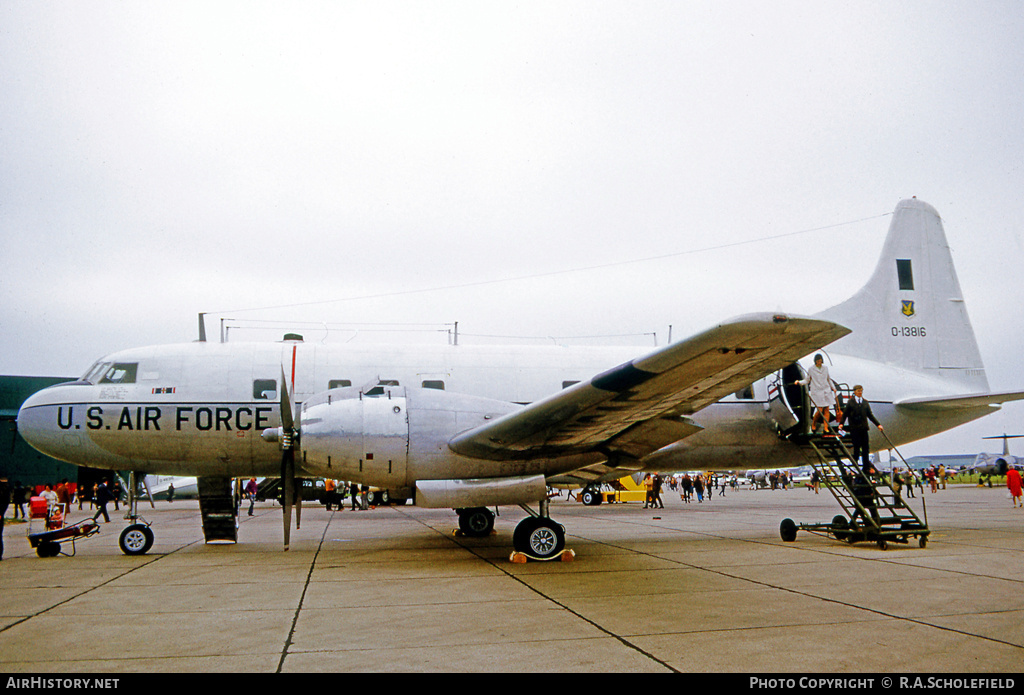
(288, 491)
(289, 438)
(287, 406)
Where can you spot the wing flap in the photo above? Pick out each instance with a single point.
(640, 406)
(650, 435)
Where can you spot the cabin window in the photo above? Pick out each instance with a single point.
(120, 373)
(905, 273)
(339, 383)
(433, 384)
(264, 389)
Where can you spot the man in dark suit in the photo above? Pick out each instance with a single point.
(858, 413)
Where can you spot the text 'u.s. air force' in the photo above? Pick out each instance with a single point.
(154, 418)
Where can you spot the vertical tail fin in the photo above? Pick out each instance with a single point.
(911, 313)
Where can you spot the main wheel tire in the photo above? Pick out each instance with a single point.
(539, 537)
(477, 522)
(136, 539)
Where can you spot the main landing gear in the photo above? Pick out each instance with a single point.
(538, 537)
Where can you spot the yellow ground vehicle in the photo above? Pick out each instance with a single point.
(622, 490)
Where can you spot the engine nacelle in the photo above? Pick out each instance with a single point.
(480, 492)
(397, 438)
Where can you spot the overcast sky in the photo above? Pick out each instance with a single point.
(162, 159)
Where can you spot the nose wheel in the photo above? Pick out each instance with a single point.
(136, 539)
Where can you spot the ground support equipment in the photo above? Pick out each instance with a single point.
(219, 510)
(872, 511)
(47, 541)
(521, 558)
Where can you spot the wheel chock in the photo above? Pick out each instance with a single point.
(522, 558)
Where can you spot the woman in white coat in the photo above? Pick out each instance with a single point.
(822, 392)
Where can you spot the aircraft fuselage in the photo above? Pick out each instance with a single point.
(200, 409)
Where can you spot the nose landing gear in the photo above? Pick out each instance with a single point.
(137, 537)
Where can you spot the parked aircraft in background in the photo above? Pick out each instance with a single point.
(796, 474)
(471, 427)
(997, 464)
(185, 487)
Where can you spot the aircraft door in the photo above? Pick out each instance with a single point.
(789, 405)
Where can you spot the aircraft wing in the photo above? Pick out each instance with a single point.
(968, 402)
(641, 405)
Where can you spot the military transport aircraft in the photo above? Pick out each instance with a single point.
(469, 428)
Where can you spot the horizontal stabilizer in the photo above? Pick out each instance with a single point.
(947, 403)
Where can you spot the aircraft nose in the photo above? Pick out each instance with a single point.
(39, 422)
(30, 423)
(59, 422)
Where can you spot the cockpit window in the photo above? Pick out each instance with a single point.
(96, 372)
(120, 373)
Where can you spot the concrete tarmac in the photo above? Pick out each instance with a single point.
(694, 587)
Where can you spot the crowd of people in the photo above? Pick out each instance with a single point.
(700, 485)
(59, 499)
(334, 495)
(96, 496)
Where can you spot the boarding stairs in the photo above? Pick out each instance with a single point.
(872, 510)
(219, 510)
